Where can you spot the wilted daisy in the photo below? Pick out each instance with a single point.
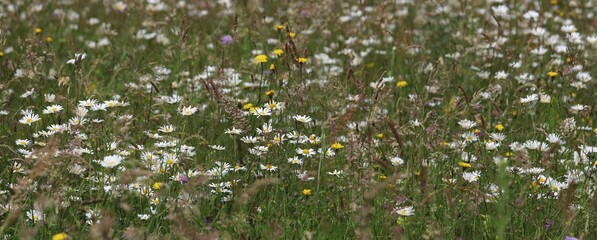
(578, 107)
(111, 161)
(78, 58)
(233, 131)
(501, 75)
(304, 176)
(265, 129)
(49, 97)
(544, 98)
(529, 98)
(467, 124)
(312, 139)
(471, 176)
(27, 93)
(491, 145)
(336, 173)
(187, 111)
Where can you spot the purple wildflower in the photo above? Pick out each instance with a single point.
(227, 39)
(183, 178)
(548, 223)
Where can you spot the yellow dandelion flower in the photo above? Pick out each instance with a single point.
(1, 54)
(337, 145)
(306, 192)
(157, 185)
(49, 39)
(499, 127)
(278, 52)
(38, 30)
(301, 60)
(272, 67)
(261, 58)
(60, 236)
(379, 136)
(401, 84)
(269, 92)
(292, 34)
(465, 165)
(279, 27)
(552, 74)
(247, 106)
(476, 130)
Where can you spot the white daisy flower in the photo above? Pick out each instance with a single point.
(405, 211)
(111, 161)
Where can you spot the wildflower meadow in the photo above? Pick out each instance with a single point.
(302, 119)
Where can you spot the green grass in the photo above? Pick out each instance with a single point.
(362, 121)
